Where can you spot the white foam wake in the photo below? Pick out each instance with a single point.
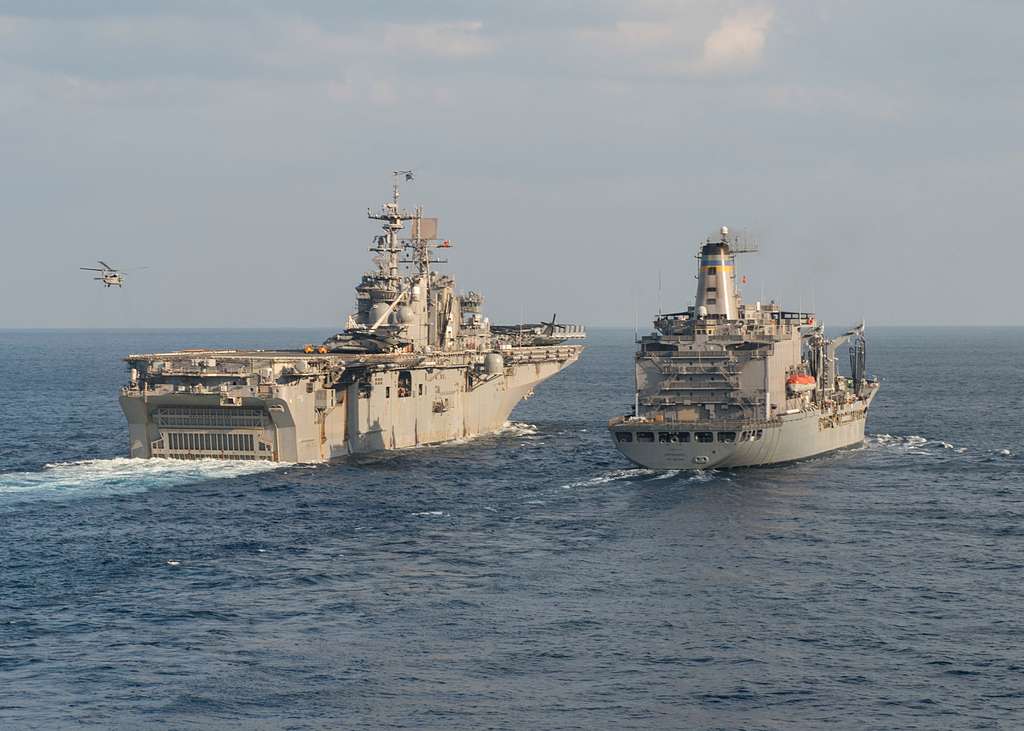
(919, 445)
(611, 476)
(517, 429)
(642, 473)
(912, 441)
(123, 475)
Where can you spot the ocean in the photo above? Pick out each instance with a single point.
(529, 579)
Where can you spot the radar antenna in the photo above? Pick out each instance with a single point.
(393, 219)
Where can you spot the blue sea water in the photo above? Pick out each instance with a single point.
(529, 579)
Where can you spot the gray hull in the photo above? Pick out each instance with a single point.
(785, 439)
(300, 419)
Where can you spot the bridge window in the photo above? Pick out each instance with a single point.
(673, 437)
(704, 437)
(624, 436)
(712, 270)
(727, 437)
(645, 436)
(404, 384)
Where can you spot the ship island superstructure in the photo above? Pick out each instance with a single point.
(732, 384)
(417, 363)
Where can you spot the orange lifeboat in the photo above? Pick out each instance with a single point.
(800, 383)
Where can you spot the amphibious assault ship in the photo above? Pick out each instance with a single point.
(416, 364)
(729, 384)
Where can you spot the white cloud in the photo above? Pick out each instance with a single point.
(446, 40)
(737, 42)
(630, 35)
(680, 39)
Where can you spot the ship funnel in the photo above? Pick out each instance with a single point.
(716, 279)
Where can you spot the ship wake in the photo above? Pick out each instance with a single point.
(122, 476)
(914, 444)
(641, 474)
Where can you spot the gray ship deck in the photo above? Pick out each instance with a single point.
(518, 355)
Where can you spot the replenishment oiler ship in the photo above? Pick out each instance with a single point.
(416, 364)
(728, 384)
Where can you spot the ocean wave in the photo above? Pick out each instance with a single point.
(123, 475)
(640, 473)
(915, 444)
(912, 441)
(611, 476)
(517, 429)
(667, 475)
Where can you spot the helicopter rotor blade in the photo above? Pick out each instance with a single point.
(106, 266)
(92, 269)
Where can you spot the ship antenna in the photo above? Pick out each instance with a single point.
(398, 175)
(636, 318)
(636, 341)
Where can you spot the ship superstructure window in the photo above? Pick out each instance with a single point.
(673, 437)
(645, 436)
(624, 436)
(712, 270)
(421, 389)
(404, 384)
(711, 289)
(704, 437)
(727, 437)
(387, 392)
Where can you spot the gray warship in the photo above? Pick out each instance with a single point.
(728, 384)
(416, 364)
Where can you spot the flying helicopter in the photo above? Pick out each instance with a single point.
(108, 275)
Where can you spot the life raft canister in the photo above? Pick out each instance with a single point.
(800, 383)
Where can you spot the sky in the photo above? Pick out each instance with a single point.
(575, 152)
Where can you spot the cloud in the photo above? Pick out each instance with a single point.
(630, 35)
(688, 39)
(445, 40)
(738, 41)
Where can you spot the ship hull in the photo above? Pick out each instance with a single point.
(788, 438)
(306, 423)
